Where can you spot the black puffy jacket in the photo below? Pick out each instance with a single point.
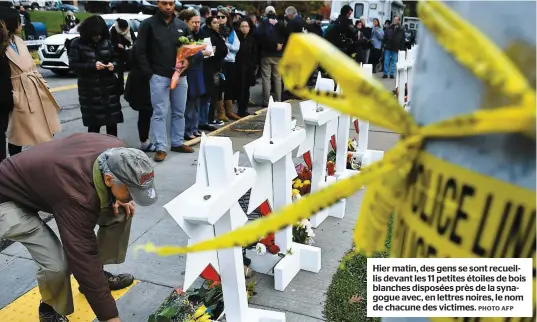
(97, 90)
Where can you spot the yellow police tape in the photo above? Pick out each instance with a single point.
(387, 179)
(453, 212)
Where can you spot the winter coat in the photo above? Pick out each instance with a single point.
(194, 73)
(341, 33)
(116, 38)
(394, 38)
(269, 37)
(6, 89)
(98, 91)
(246, 60)
(213, 64)
(35, 112)
(137, 91)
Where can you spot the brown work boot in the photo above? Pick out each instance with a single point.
(220, 112)
(229, 111)
(118, 282)
(182, 149)
(160, 156)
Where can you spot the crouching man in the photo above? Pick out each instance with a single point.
(84, 180)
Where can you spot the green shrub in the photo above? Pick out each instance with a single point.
(348, 282)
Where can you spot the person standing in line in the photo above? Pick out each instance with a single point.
(205, 12)
(194, 73)
(246, 62)
(377, 34)
(92, 58)
(367, 36)
(212, 75)
(34, 118)
(138, 95)
(123, 37)
(158, 42)
(394, 40)
(271, 37)
(228, 86)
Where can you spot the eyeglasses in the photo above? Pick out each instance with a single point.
(221, 17)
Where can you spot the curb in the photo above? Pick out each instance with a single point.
(225, 127)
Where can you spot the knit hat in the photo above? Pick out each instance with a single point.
(270, 9)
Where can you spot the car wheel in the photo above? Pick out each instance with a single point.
(35, 6)
(115, 10)
(60, 72)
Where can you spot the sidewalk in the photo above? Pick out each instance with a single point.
(303, 300)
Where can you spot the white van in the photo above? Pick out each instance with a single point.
(381, 9)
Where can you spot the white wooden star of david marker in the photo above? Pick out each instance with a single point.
(263, 188)
(270, 155)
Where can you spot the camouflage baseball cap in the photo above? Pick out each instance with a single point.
(133, 168)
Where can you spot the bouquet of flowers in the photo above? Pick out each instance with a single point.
(188, 49)
(267, 244)
(303, 232)
(178, 307)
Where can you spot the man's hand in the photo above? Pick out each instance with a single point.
(273, 21)
(100, 66)
(128, 207)
(279, 47)
(120, 46)
(206, 53)
(110, 66)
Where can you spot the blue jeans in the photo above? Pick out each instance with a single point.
(203, 110)
(161, 99)
(390, 56)
(191, 116)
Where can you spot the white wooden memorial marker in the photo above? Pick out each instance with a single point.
(321, 123)
(270, 156)
(363, 154)
(210, 208)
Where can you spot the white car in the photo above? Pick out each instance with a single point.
(53, 54)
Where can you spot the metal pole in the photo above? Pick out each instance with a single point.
(442, 89)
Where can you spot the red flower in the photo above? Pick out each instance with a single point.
(273, 249)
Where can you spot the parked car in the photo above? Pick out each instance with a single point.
(58, 5)
(34, 4)
(53, 54)
(146, 7)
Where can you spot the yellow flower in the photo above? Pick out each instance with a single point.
(306, 182)
(296, 192)
(297, 184)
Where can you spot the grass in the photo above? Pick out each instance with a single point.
(54, 19)
(349, 282)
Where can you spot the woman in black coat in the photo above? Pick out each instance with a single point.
(92, 58)
(212, 67)
(138, 94)
(122, 37)
(245, 62)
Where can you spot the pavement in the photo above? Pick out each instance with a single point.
(303, 300)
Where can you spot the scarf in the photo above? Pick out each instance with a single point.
(126, 33)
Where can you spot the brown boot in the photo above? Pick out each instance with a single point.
(229, 111)
(160, 156)
(220, 112)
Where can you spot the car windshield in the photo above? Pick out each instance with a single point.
(135, 24)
